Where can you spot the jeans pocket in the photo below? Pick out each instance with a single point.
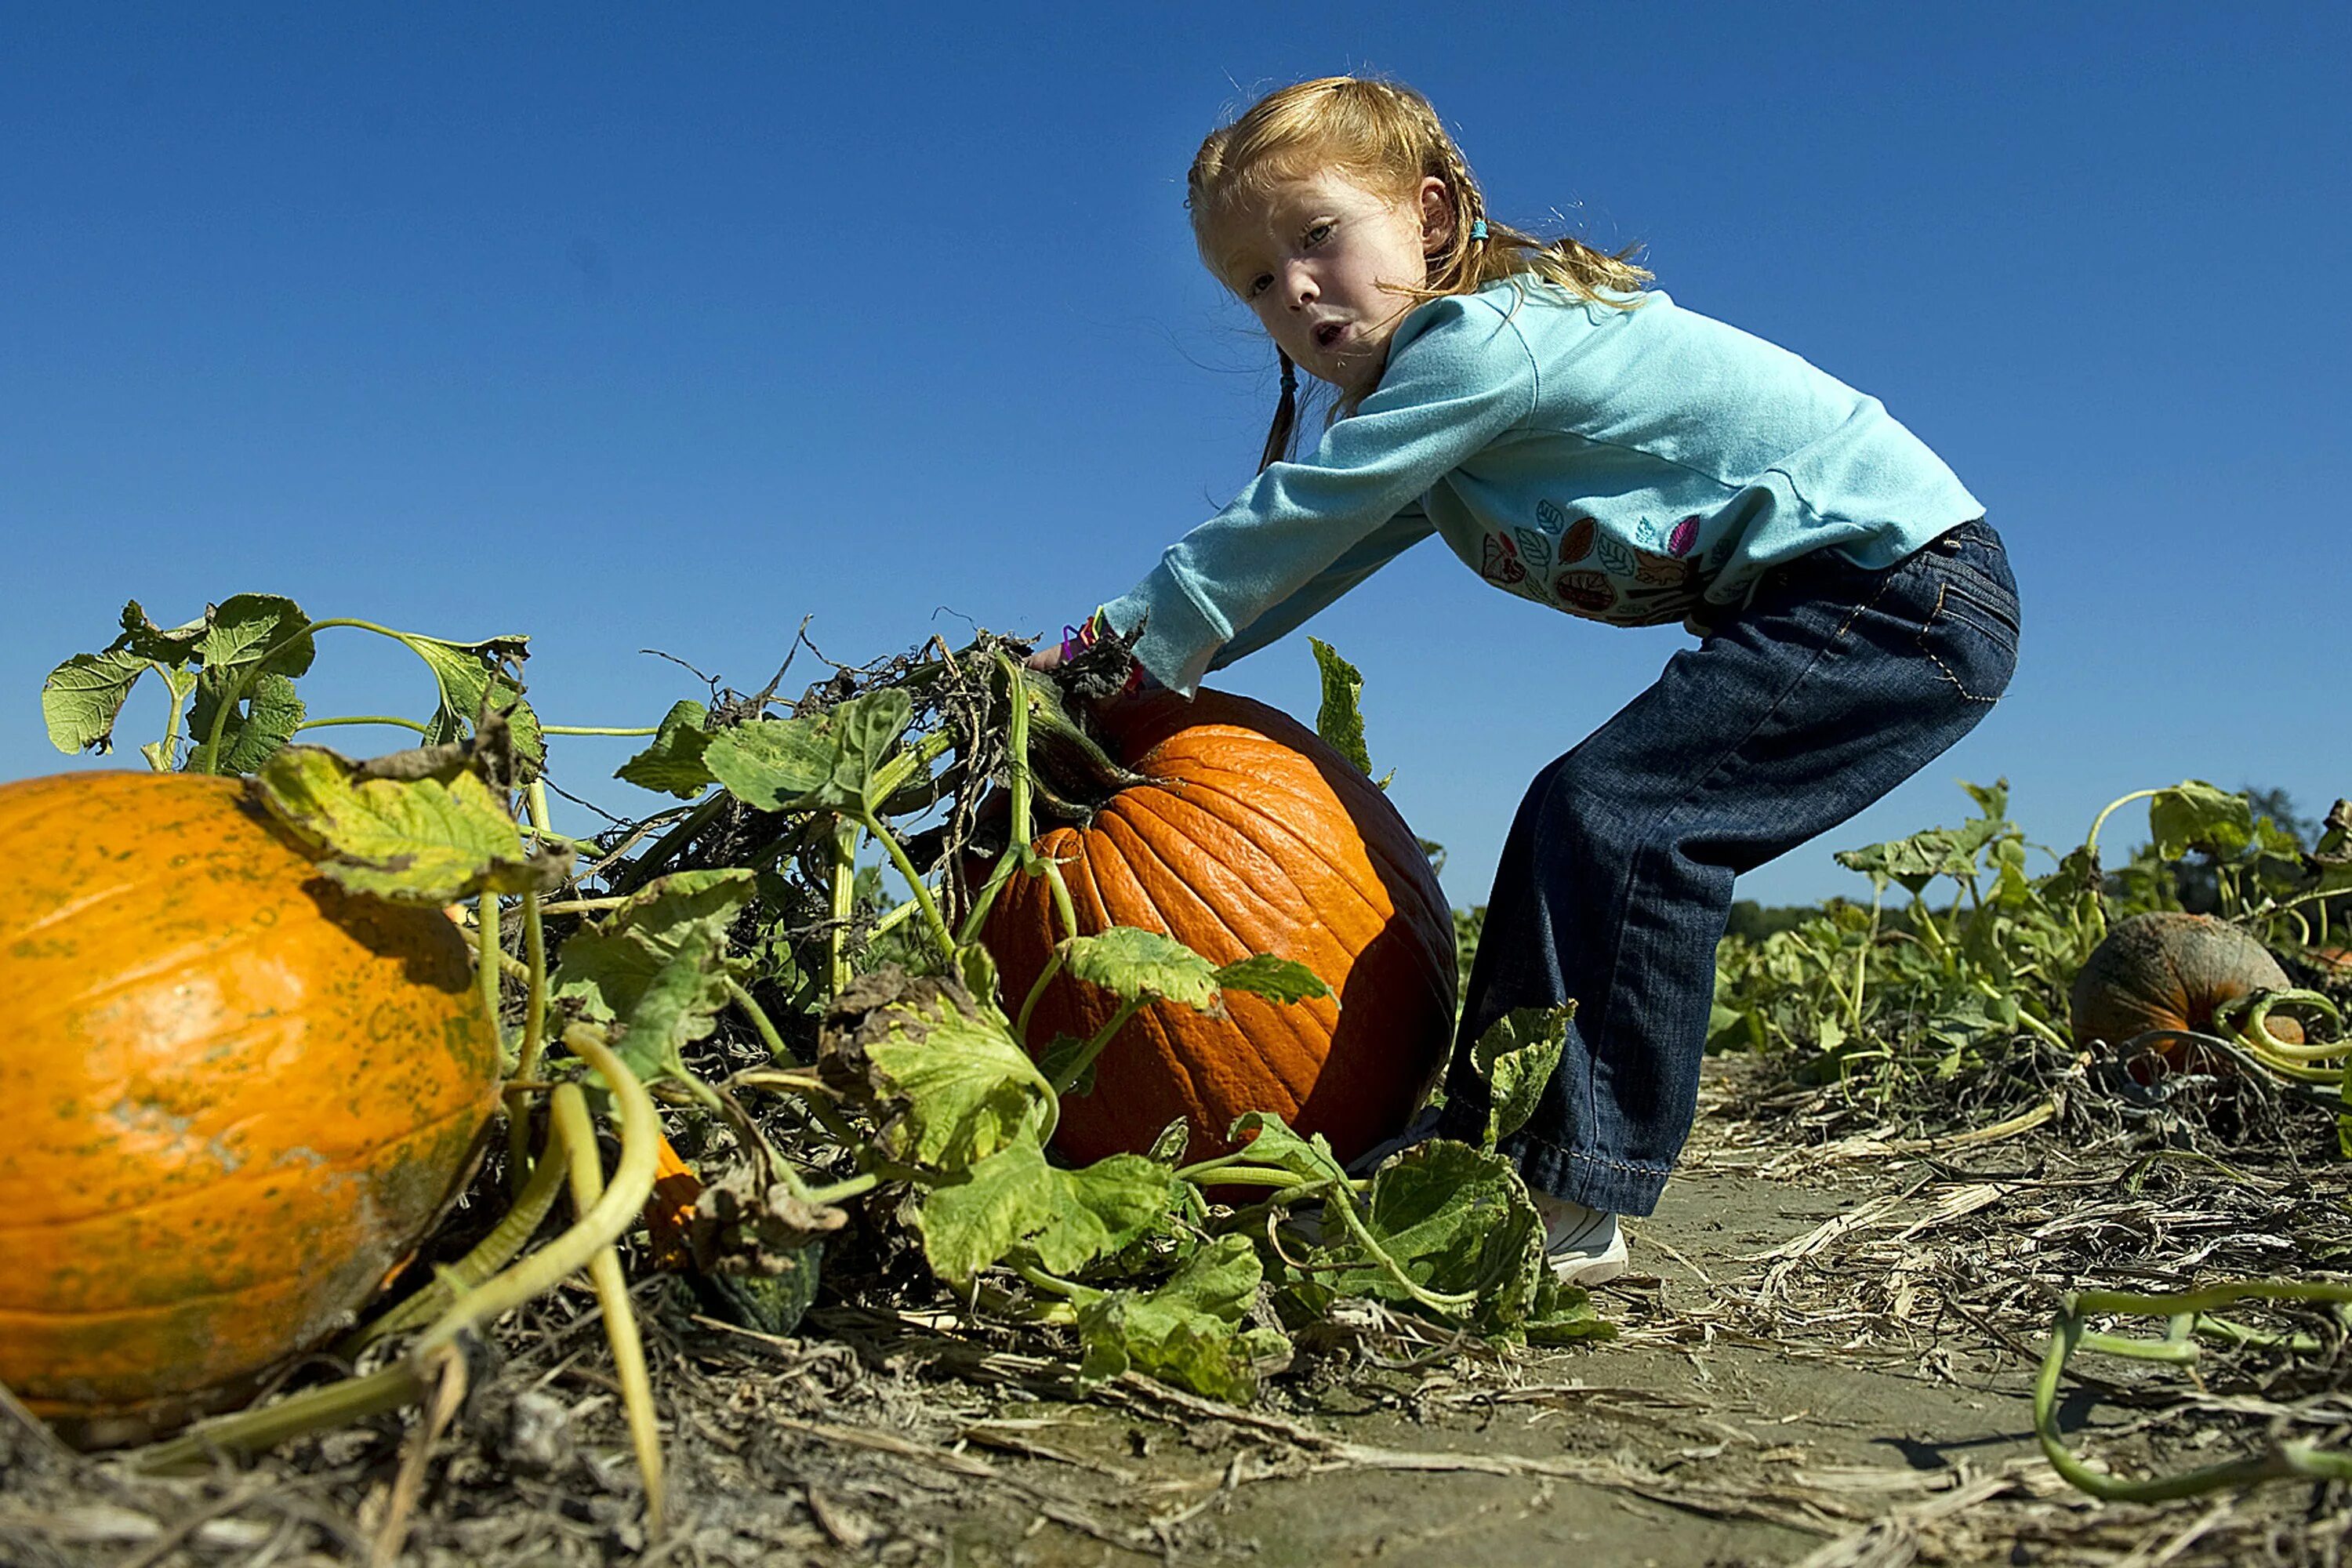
(1971, 640)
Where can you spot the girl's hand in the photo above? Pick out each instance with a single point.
(1046, 658)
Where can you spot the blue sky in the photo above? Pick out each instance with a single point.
(639, 329)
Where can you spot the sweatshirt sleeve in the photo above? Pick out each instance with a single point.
(1358, 562)
(1459, 376)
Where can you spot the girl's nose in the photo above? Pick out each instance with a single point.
(1298, 284)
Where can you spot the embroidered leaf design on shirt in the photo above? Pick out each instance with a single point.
(1663, 570)
(1616, 558)
(1586, 592)
(1685, 535)
(1502, 562)
(1551, 517)
(1534, 548)
(1720, 552)
(1577, 542)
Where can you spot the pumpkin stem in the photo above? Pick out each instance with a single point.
(1068, 768)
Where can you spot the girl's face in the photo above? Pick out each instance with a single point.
(1320, 260)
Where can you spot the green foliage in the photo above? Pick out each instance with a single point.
(673, 764)
(1930, 987)
(1517, 1056)
(1339, 719)
(235, 670)
(412, 840)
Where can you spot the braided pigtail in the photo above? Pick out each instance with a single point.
(1285, 417)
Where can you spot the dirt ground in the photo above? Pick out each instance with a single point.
(1825, 1357)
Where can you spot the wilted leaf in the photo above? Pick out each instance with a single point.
(1135, 962)
(673, 763)
(2194, 814)
(413, 842)
(1188, 1331)
(470, 676)
(1100, 1209)
(1517, 1056)
(971, 1222)
(941, 1070)
(83, 696)
(1457, 1221)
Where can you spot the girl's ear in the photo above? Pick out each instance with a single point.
(1436, 215)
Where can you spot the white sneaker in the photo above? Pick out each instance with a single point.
(1583, 1246)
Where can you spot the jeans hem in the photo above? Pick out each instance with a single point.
(1612, 1186)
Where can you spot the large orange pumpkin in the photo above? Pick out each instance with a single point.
(235, 1096)
(1246, 834)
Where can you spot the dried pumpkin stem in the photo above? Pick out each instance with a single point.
(578, 1138)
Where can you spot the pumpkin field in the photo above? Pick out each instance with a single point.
(936, 1129)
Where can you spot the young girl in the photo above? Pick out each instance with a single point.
(1598, 448)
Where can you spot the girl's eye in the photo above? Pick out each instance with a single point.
(1258, 285)
(1318, 233)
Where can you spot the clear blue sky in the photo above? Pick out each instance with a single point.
(664, 328)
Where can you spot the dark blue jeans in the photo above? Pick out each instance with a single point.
(1831, 687)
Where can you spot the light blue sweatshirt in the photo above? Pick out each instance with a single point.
(1632, 466)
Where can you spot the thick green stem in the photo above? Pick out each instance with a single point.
(1076, 1067)
(844, 873)
(591, 730)
(897, 853)
(404, 1381)
(570, 1115)
(492, 1253)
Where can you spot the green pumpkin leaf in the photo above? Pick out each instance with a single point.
(1276, 978)
(265, 719)
(975, 1219)
(1517, 1056)
(824, 762)
(248, 630)
(472, 676)
(1921, 858)
(1456, 1220)
(410, 841)
(1101, 1209)
(1188, 1331)
(968, 1088)
(1136, 963)
(1272, 1142)
(614, 968)
(1168, 1148)
(1563, 1313)
(83, 696)
(2194, 814)
(673, 763)
(1339, 719)
(678, 1003)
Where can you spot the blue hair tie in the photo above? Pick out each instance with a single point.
(1478, 228)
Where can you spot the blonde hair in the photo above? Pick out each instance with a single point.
(1386, 137)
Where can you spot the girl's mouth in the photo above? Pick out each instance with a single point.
(1329, 333)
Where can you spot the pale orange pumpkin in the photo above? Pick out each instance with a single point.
(1246, 834)
(237, 1096)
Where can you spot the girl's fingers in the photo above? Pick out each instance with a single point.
(1046, 658)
